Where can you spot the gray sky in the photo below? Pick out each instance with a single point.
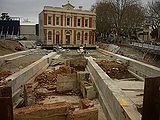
(31, 8)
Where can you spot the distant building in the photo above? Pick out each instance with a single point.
(9, 27)
(28, 30)
(67, 26)
(145, 33)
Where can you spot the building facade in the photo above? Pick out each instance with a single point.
(67, 26)
(28, 30)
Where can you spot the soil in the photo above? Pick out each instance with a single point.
(47, 82)
(20, 63)
(115, 69)
(7, 46)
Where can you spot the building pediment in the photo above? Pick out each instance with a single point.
(68, 6)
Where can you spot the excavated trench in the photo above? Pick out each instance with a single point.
(66, 80)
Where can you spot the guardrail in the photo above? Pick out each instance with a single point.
(145, 45)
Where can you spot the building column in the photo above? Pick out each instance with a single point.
(82, 42)
(74, 37)
(45, 36)
(62, 37)
(54, 37)
(90, 37)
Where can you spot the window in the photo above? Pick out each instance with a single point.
(78, 36)
(57, 20)
(86, 36)
(86, 22)
(49, 20)
(49, 35)
(68, 21)
(79, 22)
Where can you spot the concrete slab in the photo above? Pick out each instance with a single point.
(116, 104)
(14, 58)
(61, 98)
(133, 89)
(66, 82)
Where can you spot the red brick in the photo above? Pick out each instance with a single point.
(90, 37)
(85, 114)
(61, 20)
(82, 21)
(75, 21)
(82, 37)
(45, 19)
(45, 35)
(90, 22)
(74, 36)
(53, 19)
(53, 36)
(55, 111)
(61, 36)
(85, 103)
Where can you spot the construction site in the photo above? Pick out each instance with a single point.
(39, 84)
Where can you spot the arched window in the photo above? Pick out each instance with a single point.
(49, 35)
(86, 36)
(78, 36)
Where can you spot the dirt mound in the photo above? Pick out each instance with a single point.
(47, 82)
(49, 77)
(114, 69)
(78, 63)
(7, 46)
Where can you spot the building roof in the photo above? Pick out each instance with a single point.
(68, 6)
(27, 23)
(70, 10)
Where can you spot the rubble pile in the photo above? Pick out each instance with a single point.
(78, 63)
(115, 69)
(57, 111)
(47, 82)
(49, 77)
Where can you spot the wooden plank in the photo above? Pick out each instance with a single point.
(151, 101)
(5, 91)
(6, 109)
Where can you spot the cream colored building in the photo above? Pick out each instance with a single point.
(67, 26)
(28, 30)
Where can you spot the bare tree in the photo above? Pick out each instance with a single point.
(5, 16)
(119, 15)
(154, 14)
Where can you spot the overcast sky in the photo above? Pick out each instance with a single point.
(29, 9)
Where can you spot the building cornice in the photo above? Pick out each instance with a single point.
(63, 27)
(74, 11)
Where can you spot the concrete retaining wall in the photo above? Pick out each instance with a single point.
(9, 56)
(19, 79)
(142, 69)
(115, 104)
